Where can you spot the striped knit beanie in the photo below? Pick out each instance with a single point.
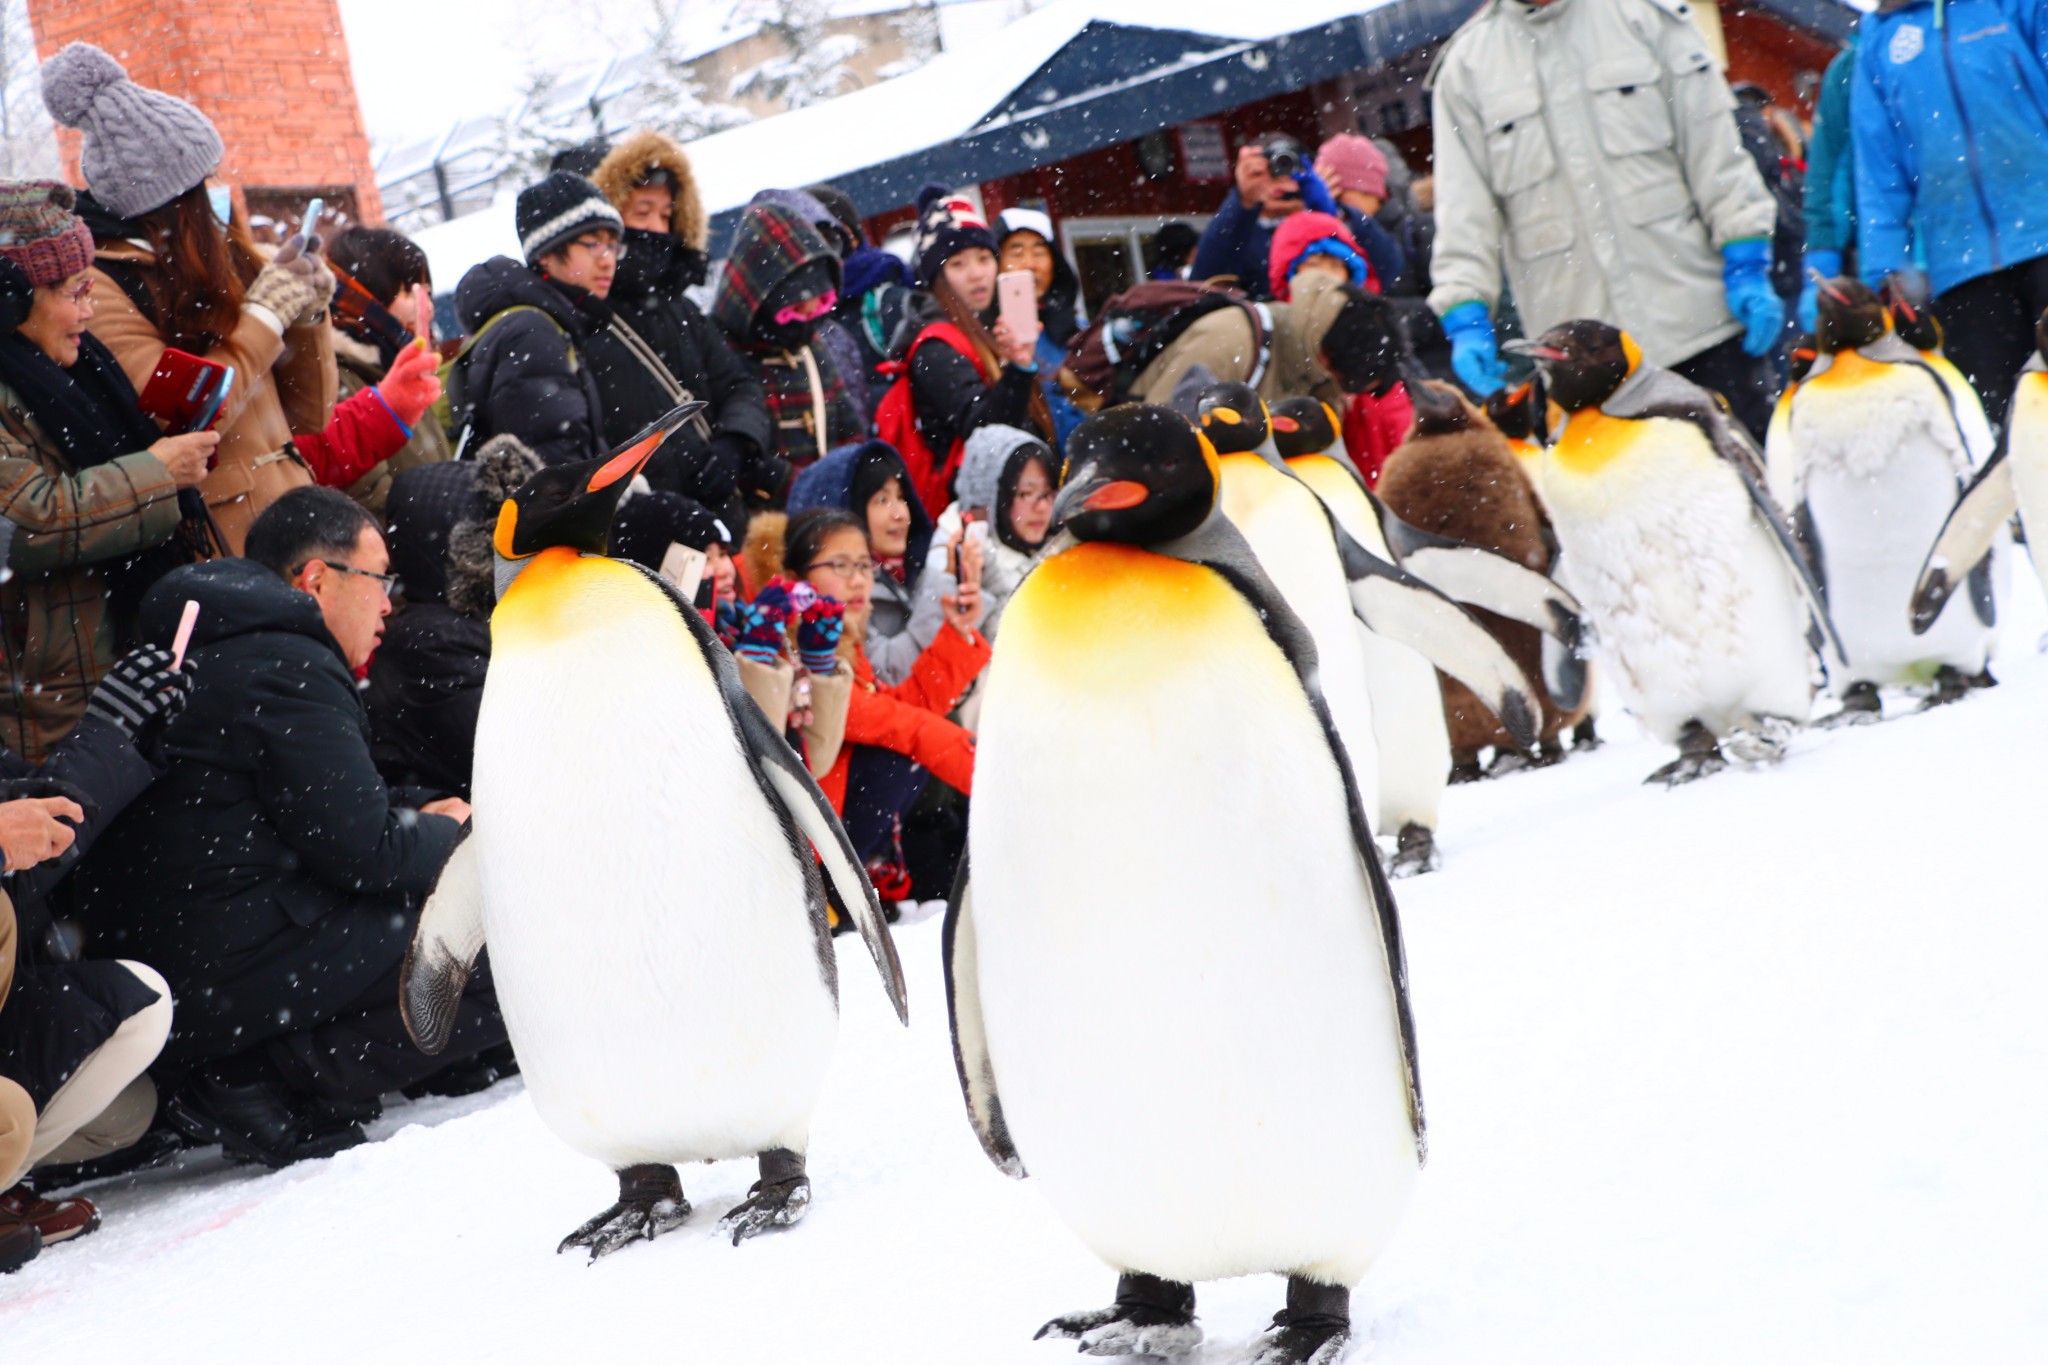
(560, 209)
(947, 224)
(40, 233)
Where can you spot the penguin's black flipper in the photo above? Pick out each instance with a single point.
(1400, 606)
(1985, 505)
(958, 952)
(1483, 578)
(791, 789)
(1218, 545)
(443, 950)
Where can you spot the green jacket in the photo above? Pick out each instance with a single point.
(54, 626)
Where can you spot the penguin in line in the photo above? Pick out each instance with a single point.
(1457, 476)
(658, 934)
(1916, 325)
(1778, 461)
(1701, 597)
(1872, 456)
(1239, 988)
(1310, 559)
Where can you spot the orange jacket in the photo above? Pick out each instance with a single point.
(910, 718)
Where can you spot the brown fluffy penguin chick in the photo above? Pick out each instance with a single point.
(1457, 476)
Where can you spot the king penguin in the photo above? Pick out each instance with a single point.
(2014, 479)
(1700, 595)
(1312, 561)
(640, 864)
(1871, 459)
(1222, 930)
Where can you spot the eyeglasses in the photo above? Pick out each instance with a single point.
(391, 581)
(601, 249)
(845, 568)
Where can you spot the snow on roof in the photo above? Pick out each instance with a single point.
(951, 93)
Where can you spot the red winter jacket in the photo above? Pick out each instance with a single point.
(1373, 427)
(910, 718)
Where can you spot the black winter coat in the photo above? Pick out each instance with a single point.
(647, 295)
(951, 399)
(528, 377)
(426, 684)
(270, 815)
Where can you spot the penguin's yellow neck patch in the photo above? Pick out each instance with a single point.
(562, 593)
(1631, 353)
(1105, 616)
(2030, 400)
(1850, 370)
(1592, 440)
(508, 523)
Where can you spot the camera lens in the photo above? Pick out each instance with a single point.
(1283, 159)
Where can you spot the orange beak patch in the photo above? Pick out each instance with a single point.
(1285, 424)
(1114, 497)
(1228, 416)
(626, 463)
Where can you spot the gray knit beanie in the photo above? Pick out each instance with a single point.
(982, 460)
(143, 148)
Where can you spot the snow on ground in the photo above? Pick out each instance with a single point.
(1749, 1071)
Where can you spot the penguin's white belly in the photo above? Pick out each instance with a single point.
(2027, 449)
(644, 914)
(1289, 531)
(1879, 454)
(1187, 1005)
(1693, 604)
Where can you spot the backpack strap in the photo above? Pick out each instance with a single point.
(954, 337)
(454, 372)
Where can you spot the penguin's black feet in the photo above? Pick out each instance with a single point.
(1467, 769)
(1414, 852)
(1313, 1329)
(778, 1199)
(1549, 754)
(1698, 756)
(1861, 705)
(1951, 684)
(1507, 761)
(1982, 678)
(650, 1203)
(1586, 736)
(1151, 1317)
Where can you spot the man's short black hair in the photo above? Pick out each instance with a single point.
(306, 523)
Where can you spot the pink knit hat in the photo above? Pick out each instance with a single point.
(40, 233)
(1355, 164)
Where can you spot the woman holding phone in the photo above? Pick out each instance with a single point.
(983, 369)
(87, 482)
(176, 269)
(1024, 244)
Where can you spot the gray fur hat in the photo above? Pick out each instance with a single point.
(503, 463)
(143, 148)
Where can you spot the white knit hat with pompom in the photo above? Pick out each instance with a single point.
(143, 148)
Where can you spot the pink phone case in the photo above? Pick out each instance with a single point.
(1017, 300)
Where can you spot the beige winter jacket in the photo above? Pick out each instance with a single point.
(1587, 149)
(1222, 340)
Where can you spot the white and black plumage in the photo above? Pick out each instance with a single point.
(641, 867)
(1700, 595)
(1130, 1034)
(1872, 453)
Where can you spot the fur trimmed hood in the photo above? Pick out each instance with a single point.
(629, 163)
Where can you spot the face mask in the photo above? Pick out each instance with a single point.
(809, 309)
(221, 199)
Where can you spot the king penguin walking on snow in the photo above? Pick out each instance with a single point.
(1701, 598)
(1153, 727)
(641, 865)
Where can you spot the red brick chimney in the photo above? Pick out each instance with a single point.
(273, 76)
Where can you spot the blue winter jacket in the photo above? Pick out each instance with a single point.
(1950, 111)
(1830, 162)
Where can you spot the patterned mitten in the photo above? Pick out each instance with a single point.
(818, 630)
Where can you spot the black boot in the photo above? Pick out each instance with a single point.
(19, 1244)
(1151, 1317)
(1311, 1330)
(1860, 706)
(1698, 756)
(778, 1199)
(250, 1119)
(650, 1203)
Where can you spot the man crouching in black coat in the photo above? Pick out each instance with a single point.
(270, 874)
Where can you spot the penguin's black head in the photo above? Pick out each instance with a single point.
(1522, 413)
(1850, 315)
(1912, 319)
(1233, 417)
(1302, 426)
(1137, 475)
(571, 505)
(1585, 361)
(1440, 409)
(1801, 357)
(2041, 335)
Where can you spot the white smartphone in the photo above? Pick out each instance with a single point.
(1017, 303)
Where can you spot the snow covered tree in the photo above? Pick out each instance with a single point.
(547, 119)
(919, 29)
(812, 66)
(670, 95)
(28, 144)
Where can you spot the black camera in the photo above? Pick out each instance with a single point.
(1284, 157)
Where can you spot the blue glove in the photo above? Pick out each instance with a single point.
(1746, 275)
(1827, 265)
(1475, 352)
(1315, 194)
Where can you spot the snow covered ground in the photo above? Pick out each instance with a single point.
(1752, 1071)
